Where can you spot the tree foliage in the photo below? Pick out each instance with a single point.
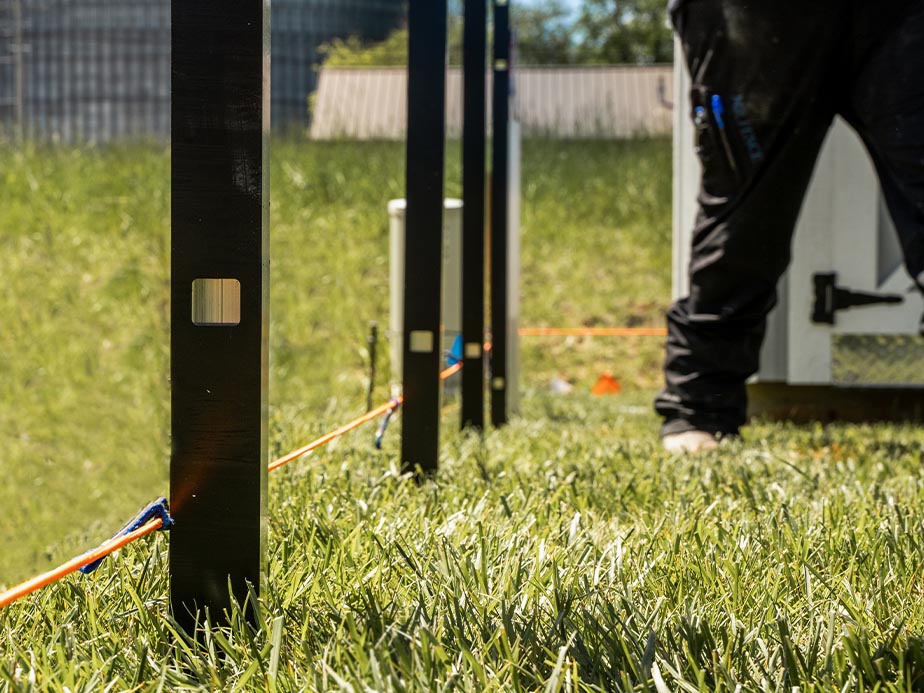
(624, 31)
(392, 52)
(601, 32)
(545, 34)
(353, 52)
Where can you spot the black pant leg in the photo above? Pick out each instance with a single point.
(764, 80)
(886, 106)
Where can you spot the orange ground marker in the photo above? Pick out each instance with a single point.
(607, 385)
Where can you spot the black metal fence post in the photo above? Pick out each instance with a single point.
(499, 212)
(423, 233)
(219, 302)
(473, 212)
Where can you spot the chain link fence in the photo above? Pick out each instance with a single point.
(98, 70)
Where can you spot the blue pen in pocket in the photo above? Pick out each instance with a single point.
(718, 115)
(718, 111)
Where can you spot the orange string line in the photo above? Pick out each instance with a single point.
(593, 332)
(324, 440)
(356, 423)
(45, 579)
(451, 371)
(40, 581)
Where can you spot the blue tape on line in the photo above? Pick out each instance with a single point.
(153, 510)
(455, 353)
(380, 433)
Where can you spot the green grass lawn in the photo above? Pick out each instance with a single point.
(563, 552)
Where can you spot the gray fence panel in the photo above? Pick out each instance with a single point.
(97, 70)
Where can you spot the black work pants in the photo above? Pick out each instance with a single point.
(768, 77)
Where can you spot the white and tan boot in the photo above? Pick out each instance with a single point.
(690, 442)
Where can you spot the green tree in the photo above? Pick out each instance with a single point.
(544, 37)
(544, 34)
(624, 31)
(605, 31)
(353, 52)
(392, 52)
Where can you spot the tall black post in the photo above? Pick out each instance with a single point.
(219, 302)
(473, 212)
(423, 233)
(499, 210)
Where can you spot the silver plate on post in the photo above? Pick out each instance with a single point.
(216, 302)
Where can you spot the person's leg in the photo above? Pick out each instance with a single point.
(886, 106)
(763, 96)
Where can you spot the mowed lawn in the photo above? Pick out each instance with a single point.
(563, 552)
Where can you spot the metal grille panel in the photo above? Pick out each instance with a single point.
(872, 360)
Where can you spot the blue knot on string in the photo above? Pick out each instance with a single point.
(152, 511)
(380, 433)
(455, 352)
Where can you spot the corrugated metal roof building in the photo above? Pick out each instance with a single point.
(100, 69)
(576, 102)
